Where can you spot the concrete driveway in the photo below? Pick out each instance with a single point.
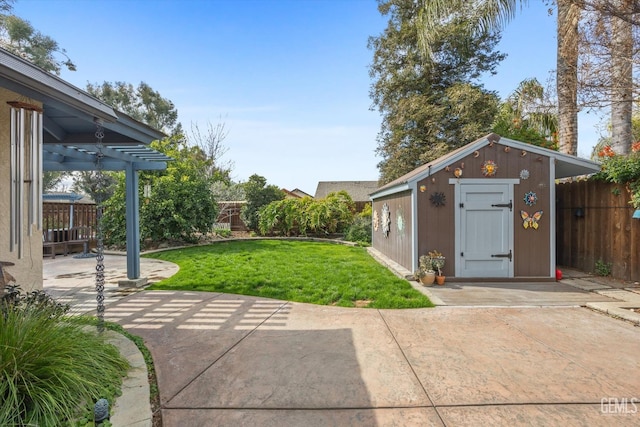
(229, 360)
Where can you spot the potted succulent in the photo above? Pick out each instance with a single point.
(425, 273)
(437, 263)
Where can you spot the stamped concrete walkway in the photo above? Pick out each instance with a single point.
(230, 360)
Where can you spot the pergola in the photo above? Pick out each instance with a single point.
(70, 119)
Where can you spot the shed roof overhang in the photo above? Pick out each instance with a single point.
(565, 165)
(70, 117)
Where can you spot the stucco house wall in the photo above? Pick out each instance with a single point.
(28, 270)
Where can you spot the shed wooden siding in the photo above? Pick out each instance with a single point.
(397, 245)
(436, 225)
(531, 250)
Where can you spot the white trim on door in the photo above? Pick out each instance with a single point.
(509, 183)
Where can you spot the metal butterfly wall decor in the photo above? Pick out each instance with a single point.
(530, 220)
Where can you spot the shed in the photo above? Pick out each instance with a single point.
(488, 207)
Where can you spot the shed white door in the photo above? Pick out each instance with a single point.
(486, 224)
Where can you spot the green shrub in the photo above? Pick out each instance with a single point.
(622, 169)
(603, 268)
(50, 366)
(222, 232)
(287, 217)
(359, 231)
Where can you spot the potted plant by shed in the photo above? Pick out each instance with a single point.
(437, 264)
(425, 273)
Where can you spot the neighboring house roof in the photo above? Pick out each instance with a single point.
(69, 122)
(358, 190)
(565, 165)
(296, 193)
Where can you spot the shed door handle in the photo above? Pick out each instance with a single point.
(509, 255)
(504, 205)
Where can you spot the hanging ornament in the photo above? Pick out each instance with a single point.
(438, 199)
(530, 198)
(524, 174)
(457, 172)
(489, 168)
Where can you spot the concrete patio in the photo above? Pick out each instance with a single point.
(530, 356)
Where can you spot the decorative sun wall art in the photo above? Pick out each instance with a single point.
(438, 199)
(524, 174)
(386, 220)
(489, 168)
(530, 198)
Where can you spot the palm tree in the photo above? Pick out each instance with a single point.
(489, 15)
(621, 78)
(567, 76)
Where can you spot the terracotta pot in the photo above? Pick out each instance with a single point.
(428, 279)
(440, 280)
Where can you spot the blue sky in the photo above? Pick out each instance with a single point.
(288, 78)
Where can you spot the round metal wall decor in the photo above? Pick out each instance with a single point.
(530, 198)
(386, 220)
(489, 168)
(438, 199)
(376, 220)
(400, 222)
(524, 174)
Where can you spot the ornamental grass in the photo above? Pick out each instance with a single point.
(52, 368)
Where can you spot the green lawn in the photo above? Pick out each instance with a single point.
(291, 270)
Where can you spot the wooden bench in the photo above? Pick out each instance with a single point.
(52, 239)
(79, 236)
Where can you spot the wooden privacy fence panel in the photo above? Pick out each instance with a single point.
(62, 216)
(606, 232)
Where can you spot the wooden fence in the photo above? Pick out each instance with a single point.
(59, 216)
(594, 223)
(229, 216)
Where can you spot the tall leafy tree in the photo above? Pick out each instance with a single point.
(20, 38)
(180, 206)
(51, 180)
(258, 194)
(611, 23)
(97, 187)
(142, 103)
(492, 15)
(528, 115)
(428, 107)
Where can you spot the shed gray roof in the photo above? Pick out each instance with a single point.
(358, 190)
(69, 122)
(565, 166)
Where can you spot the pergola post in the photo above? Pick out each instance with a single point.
(133, 228)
